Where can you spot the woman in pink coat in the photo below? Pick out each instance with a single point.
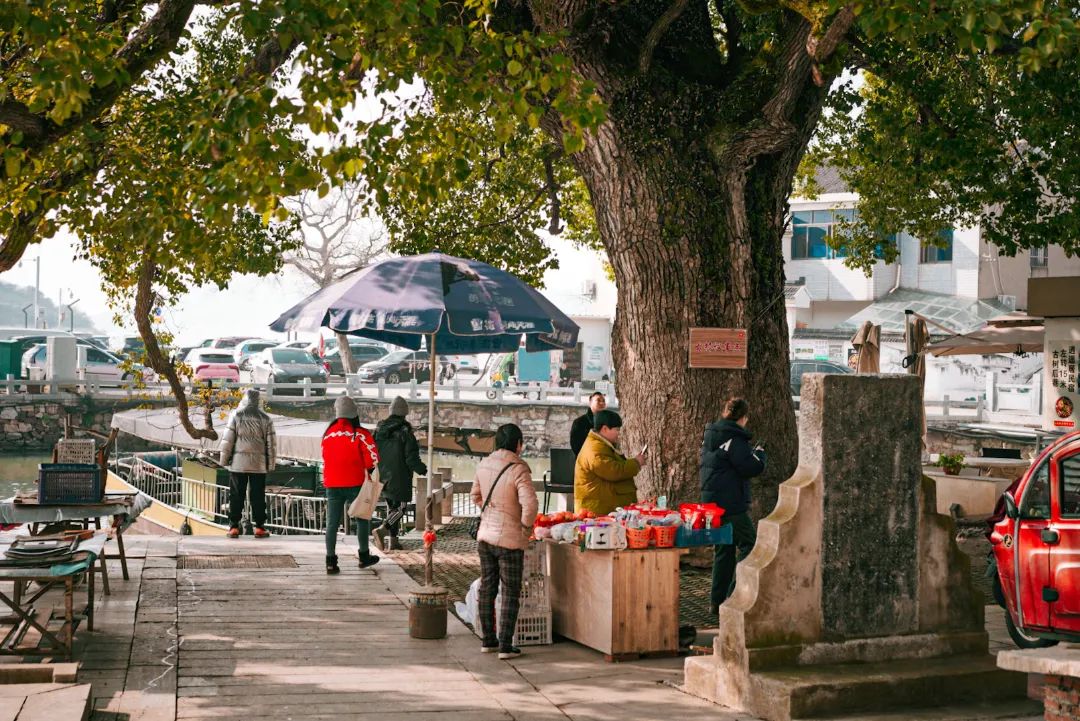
(504, 482)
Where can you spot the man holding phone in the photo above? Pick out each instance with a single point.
(728, 462)
(603, 476)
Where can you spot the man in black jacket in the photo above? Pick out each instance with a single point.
(399, 458)
(728, 462)
(583, 424)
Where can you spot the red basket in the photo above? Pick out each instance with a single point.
(637, 537)
(664, 535)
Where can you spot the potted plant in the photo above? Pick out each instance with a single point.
(951, 463)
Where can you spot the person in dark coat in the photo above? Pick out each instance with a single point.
(583, 424)
(728, 462)
(399, 458)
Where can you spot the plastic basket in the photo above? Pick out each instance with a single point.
(69, 483)
(534, 595)
(638, 537)
(533, 629)
(704, 537)
(664, 536)
(535, 555)
(75, 450)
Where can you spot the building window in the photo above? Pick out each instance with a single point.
(813, 232)
(1038, 257)
(938, 253)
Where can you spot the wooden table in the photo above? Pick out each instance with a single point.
(121, 508)
(624, 604)
(27, 632)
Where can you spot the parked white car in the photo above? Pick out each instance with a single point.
(100, 365)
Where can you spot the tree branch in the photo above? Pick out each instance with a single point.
(144, 303)
(24, 229)
(821, 49)
(652, 39)
(151, 42)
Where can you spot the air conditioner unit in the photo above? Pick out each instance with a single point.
(588, 289)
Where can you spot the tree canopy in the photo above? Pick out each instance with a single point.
(166, 136)
(188, 115)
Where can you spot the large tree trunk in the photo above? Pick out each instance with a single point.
(690, 203)
(677, 266)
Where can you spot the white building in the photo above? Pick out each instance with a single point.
(958, 287)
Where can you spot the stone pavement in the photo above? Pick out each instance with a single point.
(457, 566)
(185, 641)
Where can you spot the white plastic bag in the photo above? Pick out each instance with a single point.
(467, 611)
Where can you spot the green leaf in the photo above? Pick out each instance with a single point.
(514, 68)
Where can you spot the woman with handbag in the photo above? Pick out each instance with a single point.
(349, 455)
(503, 489)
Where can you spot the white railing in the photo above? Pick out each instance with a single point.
(155, 482)
(456, 390)
(286, 513)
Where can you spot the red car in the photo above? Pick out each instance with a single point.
(1035, 536)
(212, 364)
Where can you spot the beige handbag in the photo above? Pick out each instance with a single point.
(364, 505)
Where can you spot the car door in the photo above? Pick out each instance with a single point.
(415, 367)
(1032, 555)
(101, 366)
(797, 369)
(1065, 548)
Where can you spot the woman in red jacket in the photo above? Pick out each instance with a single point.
(349, 455)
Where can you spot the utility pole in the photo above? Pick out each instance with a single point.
(37, 293)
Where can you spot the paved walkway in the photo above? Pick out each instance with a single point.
(289, 642)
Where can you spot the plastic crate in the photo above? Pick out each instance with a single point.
(704, 537)
(534, 595)
(533, 629)
(69, 483)
(535, 557)
(76, 450)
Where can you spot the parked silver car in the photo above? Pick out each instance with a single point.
(287, 365)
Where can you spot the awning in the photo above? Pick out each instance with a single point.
(993, 339)
(297, 438)
(961, 315)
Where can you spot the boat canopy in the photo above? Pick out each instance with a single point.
(297, 438)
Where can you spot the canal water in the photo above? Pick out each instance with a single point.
(19, 472)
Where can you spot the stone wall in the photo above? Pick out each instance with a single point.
(946, 439)
(1061, 697)
(37, 425)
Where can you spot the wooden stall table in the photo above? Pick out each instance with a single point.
(26, 633)
(121, 508)
(624, 604)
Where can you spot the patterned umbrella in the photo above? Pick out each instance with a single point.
(457, 305)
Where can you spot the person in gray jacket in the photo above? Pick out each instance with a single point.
(248, 451)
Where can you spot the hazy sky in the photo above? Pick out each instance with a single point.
(251, 303)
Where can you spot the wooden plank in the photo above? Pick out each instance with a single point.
(621, 603)
(645, 597)
(30, 636)
(581, 595)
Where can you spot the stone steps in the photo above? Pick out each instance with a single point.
(1025, 710)
(832, 690)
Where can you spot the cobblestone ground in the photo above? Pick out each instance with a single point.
(457, 566)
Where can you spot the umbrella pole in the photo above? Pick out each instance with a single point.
(431, 419)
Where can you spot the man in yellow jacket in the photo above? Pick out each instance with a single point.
(603, 477)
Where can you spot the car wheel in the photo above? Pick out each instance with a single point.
(1022, 638)
(999, 594)
(393, 378)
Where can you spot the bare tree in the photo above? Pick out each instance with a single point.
(337, 238)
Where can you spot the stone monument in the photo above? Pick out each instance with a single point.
(856, 597)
